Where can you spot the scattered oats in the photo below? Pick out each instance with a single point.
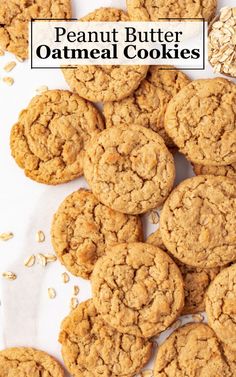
(9, 275)
(9, 67)
(8, 80)
(30, 261)
(74, 303)
(147, 373)
(19, 59)
(40, 236)
(65, 277)
(198, 317)
(176, 324)
(42, 89)
(6, 236)
(2, 52)
(51, 293)
(41, 259)
(225, 14)
(154, 217)
(76, 290)
(50, 258)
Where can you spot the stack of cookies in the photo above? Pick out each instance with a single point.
(186, 266)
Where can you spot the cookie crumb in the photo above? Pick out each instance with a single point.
(198, 318)
(9, 275)
(51, 293)
(74, 303)
(40, 236)
(76, 290)
(6, 236)
(147, 373)
(41, 89)
(154, 217)
(9, 66)
(8, 80)
(65, 277)
(30, 261)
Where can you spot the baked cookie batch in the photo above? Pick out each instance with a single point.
(139, 287)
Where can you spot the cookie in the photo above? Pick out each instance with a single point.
(91, 348)
(137, 289)
(147, 105)
(129, 169)
(221, 306)
(49, 140)
(230, 356)
(83, 228)
(198, 221)
(145, 10)
(201, 120)
(107, 82)
(196, 280)
(226, 171)
(192, 350)
(15, 16)
(28, 362)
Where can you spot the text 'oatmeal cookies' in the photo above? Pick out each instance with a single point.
(83, 228)
(51, 135)
(129, 169)
(198, 221)
(138, 289)
(90, 347)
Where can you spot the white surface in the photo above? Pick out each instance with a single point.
(30, 318)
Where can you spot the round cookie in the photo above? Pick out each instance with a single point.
(107, 82)
(196, 280)
(83, 228)
(138, 289)
(146, 10)
(91, 348)
(129, 169)
(226, 171)
(198, 221)
(28, 362)
(147, 105)
(201, 121)
(192, 350)
(221, 306)
(231, 358)
(14, 18)
(49, 140)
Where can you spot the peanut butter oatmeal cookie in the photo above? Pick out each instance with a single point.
(83, 228)
(137, 289)
(196, 280)
(14, 18)
(129, 169)
(147, 105)
(49, 140)
(201, 120)
(107, 82)
(198, 221)
(192, 351)
(28, 362)
(153, 10)
(91, 348)
(221, 306)
(226, 171)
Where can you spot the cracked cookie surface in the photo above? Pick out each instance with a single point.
(221, 306)
(49, 140)
(28, 362)
(196, 280)
(198, 221)
(129, 169)
(201, 120)
(153, 10)
(226, 171)
(191, 351)
(14, 18)
(147, 105)
(83, 228)
(107, 82)
(138, 289)
(91, 348)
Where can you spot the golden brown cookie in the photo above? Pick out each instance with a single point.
(230, 358)
(91, 348)
(201, 120)
(107, 82)
(147, 105)
(28, 362)
(146, 10)
(138, 289)
(49, 140)
(226, 171)
(198, 221)
(14, 18)
(129, 169)
(221, 306)
(83, 228)
(196, 280)
(192, 351)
